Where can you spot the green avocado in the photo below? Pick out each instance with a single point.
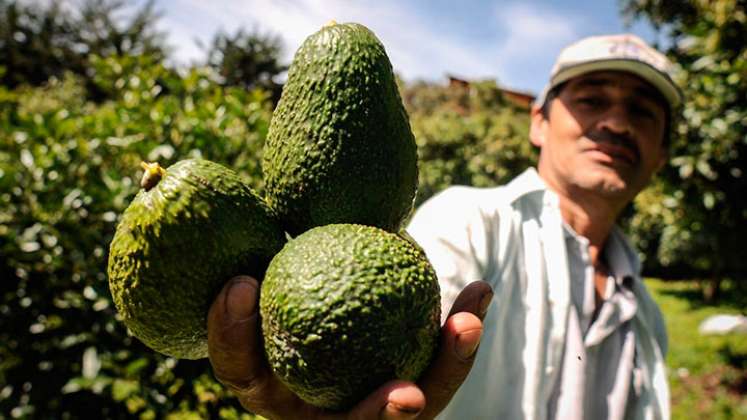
(190, 229)
(339, 147)
(346, 308)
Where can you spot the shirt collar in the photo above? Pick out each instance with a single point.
(528, 182)
(621, 255)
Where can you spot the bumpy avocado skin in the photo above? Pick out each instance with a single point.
(346, 308)
(176, 246)
(340, 148)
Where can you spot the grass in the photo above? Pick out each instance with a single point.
(707, 374)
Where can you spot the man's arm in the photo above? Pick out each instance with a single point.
(237, 357)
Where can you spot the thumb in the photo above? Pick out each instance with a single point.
(460, 337)
(234, 341)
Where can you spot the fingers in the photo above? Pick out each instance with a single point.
(393, 400)
(460, 338)
(234, 343)
(235, 351)
(474, 299)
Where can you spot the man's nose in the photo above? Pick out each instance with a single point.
(617, 120)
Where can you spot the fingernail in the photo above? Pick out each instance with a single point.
(240, 298)
(466, 344)
(485, 303)
(393, 411)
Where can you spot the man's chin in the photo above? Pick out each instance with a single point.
(608, 181)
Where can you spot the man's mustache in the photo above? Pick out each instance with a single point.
(606, 136)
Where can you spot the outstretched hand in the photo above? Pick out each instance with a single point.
(236, 354)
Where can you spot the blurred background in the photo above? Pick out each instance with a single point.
(89, 88)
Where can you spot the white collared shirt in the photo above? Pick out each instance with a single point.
(513, 237)
(599, 376)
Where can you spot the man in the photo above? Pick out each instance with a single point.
(571, 332)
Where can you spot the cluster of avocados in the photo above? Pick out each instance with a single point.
(348, 302)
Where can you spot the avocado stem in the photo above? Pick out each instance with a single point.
(330, 23)
(152, 175)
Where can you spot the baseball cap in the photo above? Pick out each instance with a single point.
(623, 52)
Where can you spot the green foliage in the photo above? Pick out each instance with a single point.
(101, 29)
(39, 40)
(699, 208)
(68, 169)
(250, 60)
(467, 136)
(34, 44)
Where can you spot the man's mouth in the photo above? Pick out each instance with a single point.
(615, 146)
(616, 152)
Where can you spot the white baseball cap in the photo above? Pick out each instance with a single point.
(624, 52)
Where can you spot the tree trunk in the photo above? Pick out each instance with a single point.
(711, 288)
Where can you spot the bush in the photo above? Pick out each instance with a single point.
(68, 168)
(467, 136)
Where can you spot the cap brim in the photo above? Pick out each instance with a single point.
(658, 80)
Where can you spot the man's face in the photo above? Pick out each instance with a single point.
(603, 134)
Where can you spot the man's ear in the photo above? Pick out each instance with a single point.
(536, 128)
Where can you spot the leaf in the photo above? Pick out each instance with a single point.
(686, 170)
(91, 363)
(136, 366)
(709, 200)
(75, 385)
(122, 388)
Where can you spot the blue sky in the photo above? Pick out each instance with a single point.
(513, 42)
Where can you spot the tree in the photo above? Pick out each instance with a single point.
(103, 32)
(699, 207)
(249, 60)
(35, 43)
(43, 40)
(466, 135)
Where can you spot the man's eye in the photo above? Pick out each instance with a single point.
(590, 100)
(642, 111)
